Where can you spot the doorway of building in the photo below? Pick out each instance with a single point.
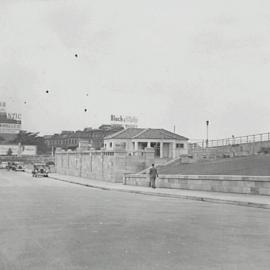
(142, 145)
(156, 147)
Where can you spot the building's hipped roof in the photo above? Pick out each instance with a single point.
(125, 133)
(148, 133)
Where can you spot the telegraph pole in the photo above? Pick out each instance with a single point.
(207, 124)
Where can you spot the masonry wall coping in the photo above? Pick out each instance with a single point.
(206, 177)
(134, 175)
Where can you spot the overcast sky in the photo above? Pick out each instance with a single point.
(168, 62)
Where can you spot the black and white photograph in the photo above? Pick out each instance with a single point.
(134, 135)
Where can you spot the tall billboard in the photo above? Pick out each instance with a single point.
(28, 150)
(10, 123)
(14, 116)
(18, 150)
(124, 120)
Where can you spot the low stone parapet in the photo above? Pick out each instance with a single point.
(259, 185)
(136, 180)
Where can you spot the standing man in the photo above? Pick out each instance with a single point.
(153, 175)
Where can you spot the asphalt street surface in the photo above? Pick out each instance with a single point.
(48, 224)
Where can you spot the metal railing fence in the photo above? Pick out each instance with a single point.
(261, 137)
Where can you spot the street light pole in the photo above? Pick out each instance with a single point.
(207, 124)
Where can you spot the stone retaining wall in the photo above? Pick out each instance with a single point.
(102, 165)
(259, 185)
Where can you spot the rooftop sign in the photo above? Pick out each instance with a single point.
(9, 122)
(124, 120)
(14, 116)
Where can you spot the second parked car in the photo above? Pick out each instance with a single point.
(17, 166)
(40, 170)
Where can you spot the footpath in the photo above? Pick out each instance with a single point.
(213, 197)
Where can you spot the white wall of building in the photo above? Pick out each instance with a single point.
(168, 148)
(113, 144)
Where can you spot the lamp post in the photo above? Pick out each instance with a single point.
(207, 124)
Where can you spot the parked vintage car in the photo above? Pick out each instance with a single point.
(18, 166)
(40, 170)
(4, 165)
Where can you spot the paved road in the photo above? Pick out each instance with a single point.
(46, 224)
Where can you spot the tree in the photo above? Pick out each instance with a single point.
(25, 137)
(31, 138)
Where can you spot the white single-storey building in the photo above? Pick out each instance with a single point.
(165, 143)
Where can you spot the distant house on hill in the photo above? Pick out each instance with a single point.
(165, 143)
(72, 139)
